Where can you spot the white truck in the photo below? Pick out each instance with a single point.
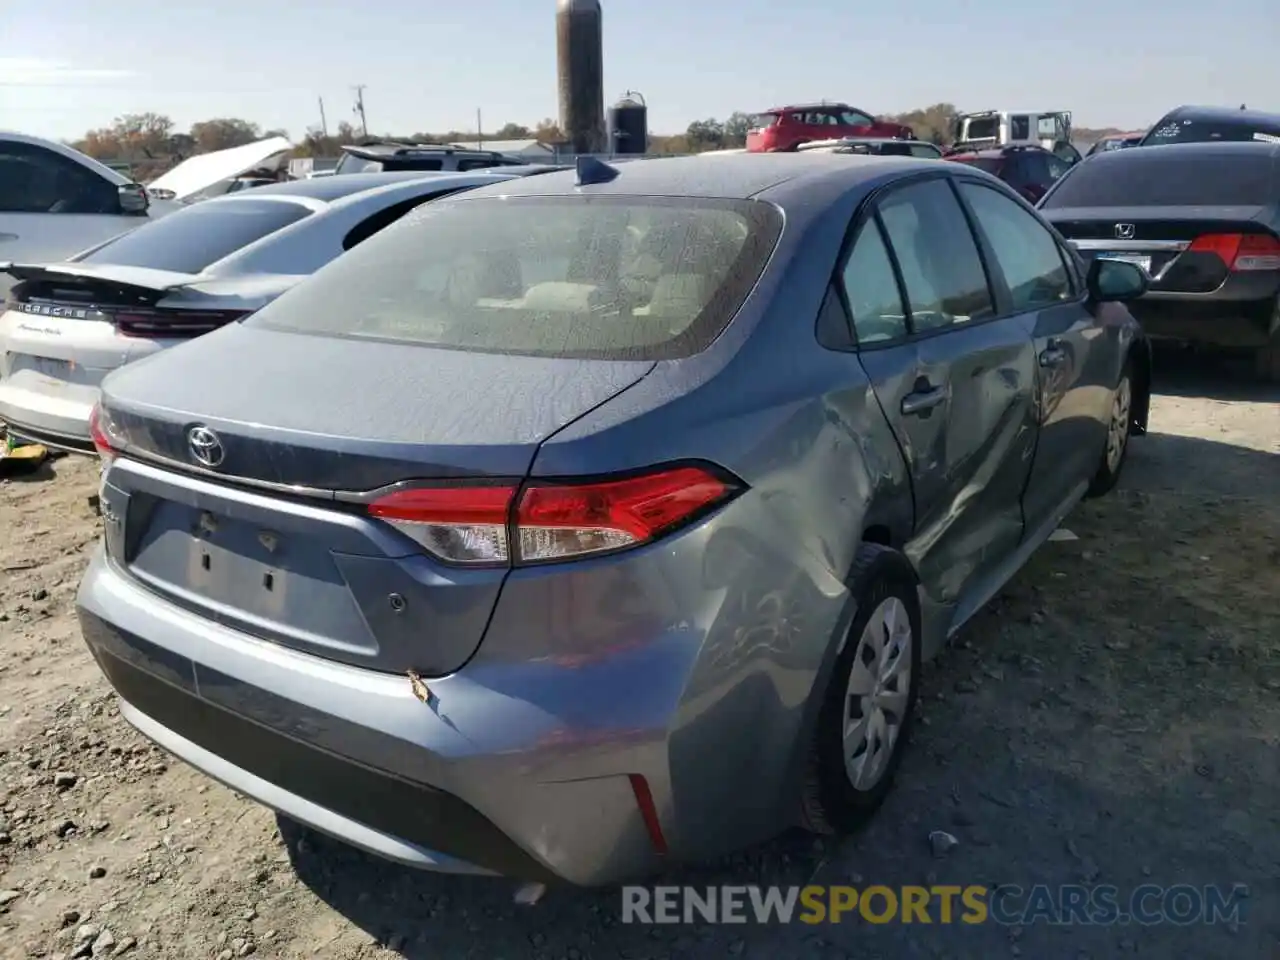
(1050, 129)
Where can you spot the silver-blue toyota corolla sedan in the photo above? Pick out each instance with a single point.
(585, 522)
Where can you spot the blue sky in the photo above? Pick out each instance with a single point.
(429, 64)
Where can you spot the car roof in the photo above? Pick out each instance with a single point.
(1217, 114)
(1208, 149)
(329, 189)
(829, 105)
(376, 151)
(767, 176)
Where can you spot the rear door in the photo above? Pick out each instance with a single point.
(1077, 357)
(955, 380)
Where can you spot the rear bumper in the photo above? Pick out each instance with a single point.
(520, 762)
(431, 788)
(56, 414)
(1207, 318)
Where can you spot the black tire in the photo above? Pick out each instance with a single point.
(1109, 468)
(1267, 359)
(831, 803)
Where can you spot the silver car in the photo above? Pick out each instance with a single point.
(587, 522)
(66, 325)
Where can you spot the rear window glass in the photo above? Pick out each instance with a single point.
(586, 277)
(189, 240)
(1151, 177)
(350, 163)
(1200, 131)
(987, 128)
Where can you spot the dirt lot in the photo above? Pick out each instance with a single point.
(1113, 717)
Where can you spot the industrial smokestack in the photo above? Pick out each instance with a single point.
(580, 62)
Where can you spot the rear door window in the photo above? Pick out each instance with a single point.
(1172, 178)
(189, 240)
(938, 256)
(36, 180)
(587, 277)
(871, 289)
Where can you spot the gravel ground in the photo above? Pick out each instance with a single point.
(1112, 717)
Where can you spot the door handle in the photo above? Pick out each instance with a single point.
(922, 400)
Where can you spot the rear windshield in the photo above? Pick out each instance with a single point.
(588, 277)
(350, 163)
(1152, 177)
(1200, 131)
(191, 239)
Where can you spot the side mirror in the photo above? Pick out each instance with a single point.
(1115, 281)
(133, 199)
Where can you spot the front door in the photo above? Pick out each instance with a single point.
(1073, 357)
(955, 381)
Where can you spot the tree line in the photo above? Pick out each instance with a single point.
(150, 143)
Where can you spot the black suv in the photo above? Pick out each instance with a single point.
(1208, 124)
(1029, 169)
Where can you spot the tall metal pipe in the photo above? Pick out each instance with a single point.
(580, 65)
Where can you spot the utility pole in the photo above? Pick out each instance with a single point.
(359, 109)
(324, 124)
(479, 131)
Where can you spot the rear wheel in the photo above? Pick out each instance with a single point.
(1267, 359)
(865, 719)
(1119, 428)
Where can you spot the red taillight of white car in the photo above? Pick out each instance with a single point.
(539, 521)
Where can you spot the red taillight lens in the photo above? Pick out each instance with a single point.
(100, 432)
(174, 324)
(567, 520)
(552, 521)
(1241, 251)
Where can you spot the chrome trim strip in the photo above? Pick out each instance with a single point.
(1132, 246)
(181, 467)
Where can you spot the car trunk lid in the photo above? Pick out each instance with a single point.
(272, 535)
(1160, 239)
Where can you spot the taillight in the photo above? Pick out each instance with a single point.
(548, 521)
(103, 433)
(1241, 251)
(174, 324)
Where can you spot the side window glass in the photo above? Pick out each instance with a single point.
(1025, 251)
(872, 289)
(1020, 127)
(35, 180)
(941, 268)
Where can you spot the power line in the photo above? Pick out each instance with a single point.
(359, 108)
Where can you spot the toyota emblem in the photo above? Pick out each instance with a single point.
(206, 448)
(1125, 231)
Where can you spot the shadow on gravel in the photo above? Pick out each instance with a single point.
(1212, 374)
(1202, 468)
(1111, 718)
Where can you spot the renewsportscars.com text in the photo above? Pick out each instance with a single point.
(1069, 904)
